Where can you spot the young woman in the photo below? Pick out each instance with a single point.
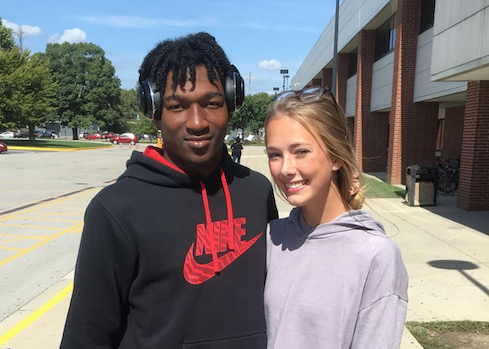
(334, 279)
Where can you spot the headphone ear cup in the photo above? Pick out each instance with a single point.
(149, 100)
(234, 89)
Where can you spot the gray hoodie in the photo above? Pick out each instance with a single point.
(341, 284)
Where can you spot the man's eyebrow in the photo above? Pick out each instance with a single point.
(214, 94)
(179, 97)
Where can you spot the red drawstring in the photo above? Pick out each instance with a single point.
(210, 227)
(229, 207)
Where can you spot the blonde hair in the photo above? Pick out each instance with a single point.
(325, 119)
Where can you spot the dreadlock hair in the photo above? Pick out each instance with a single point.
(181, 56)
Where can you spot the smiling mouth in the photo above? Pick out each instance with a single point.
(295, 185)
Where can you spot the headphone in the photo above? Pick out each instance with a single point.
(151, 105)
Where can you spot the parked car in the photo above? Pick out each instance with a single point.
(229, 138)
(7, 134)
(125, 138)
(46, 134)
(250, 137)
(107, 135)
(93, 136)
(3, 147)
(22, 133)
(83, 135)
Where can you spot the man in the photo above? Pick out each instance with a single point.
(236, 149)
(173, 254)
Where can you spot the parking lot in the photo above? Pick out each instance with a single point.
(43, 198)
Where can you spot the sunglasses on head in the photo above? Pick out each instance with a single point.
(306, 95)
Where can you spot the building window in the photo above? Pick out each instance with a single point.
(352, 62)
(427, 15)
(385, 38)
(440, 134)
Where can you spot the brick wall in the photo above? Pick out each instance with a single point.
(316, 82)
(327, 76)
(453, 131)
(413, 126)
(365, 123)
(341, 79)
(473, 191)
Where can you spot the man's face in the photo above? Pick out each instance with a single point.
(193, 124)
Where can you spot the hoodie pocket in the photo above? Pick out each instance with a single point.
(251, 340)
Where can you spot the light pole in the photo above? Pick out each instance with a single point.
(275, 90)
(285, 73)
(287, 82)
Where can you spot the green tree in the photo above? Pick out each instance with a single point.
(129, 104)
(88, 90)
(252, 114)
(142, 126)
(27, 89)
(6, 37)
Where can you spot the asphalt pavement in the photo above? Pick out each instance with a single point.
(444, 248)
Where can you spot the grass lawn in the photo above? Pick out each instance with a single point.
(451, 334)
(373, 188)
(53, 143)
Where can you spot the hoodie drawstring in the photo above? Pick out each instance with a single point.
(209, 226)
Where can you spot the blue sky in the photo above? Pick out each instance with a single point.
(259, 37)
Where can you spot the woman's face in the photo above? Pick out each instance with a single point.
(301, 167)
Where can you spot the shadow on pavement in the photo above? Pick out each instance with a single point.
(460, 266)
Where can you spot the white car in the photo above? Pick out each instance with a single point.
(7, 134)
(250, 137)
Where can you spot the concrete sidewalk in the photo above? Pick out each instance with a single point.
(444, 248)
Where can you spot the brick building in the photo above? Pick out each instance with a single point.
(413, 79)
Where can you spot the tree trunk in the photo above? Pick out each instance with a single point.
(32, 127)
(75, 133)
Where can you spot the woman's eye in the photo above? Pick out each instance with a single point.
(272, 156)
(302, 152)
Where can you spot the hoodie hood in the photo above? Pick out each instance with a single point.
(348, 221)
(152, 167)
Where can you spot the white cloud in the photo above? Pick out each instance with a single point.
(271, 64)
(27, 30)
(72, 36)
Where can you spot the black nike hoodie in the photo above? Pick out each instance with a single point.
(168, 261)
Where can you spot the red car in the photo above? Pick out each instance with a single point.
(93, 136)
(3, 147)
(125, 138)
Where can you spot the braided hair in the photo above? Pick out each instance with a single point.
(181, 56)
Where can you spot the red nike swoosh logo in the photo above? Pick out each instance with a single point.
(196, 273)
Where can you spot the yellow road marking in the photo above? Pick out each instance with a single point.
(2, 224)
(52, 237)
(7, 336)
(25, 237)
(35, 218)
(11, 248)
(44, 205)
(20, 238)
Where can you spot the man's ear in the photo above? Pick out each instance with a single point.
(157, 124)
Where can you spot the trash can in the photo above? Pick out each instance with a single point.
(421, 185)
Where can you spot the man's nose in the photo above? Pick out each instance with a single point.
(197, 119)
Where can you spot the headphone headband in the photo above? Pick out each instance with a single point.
(151, 105)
